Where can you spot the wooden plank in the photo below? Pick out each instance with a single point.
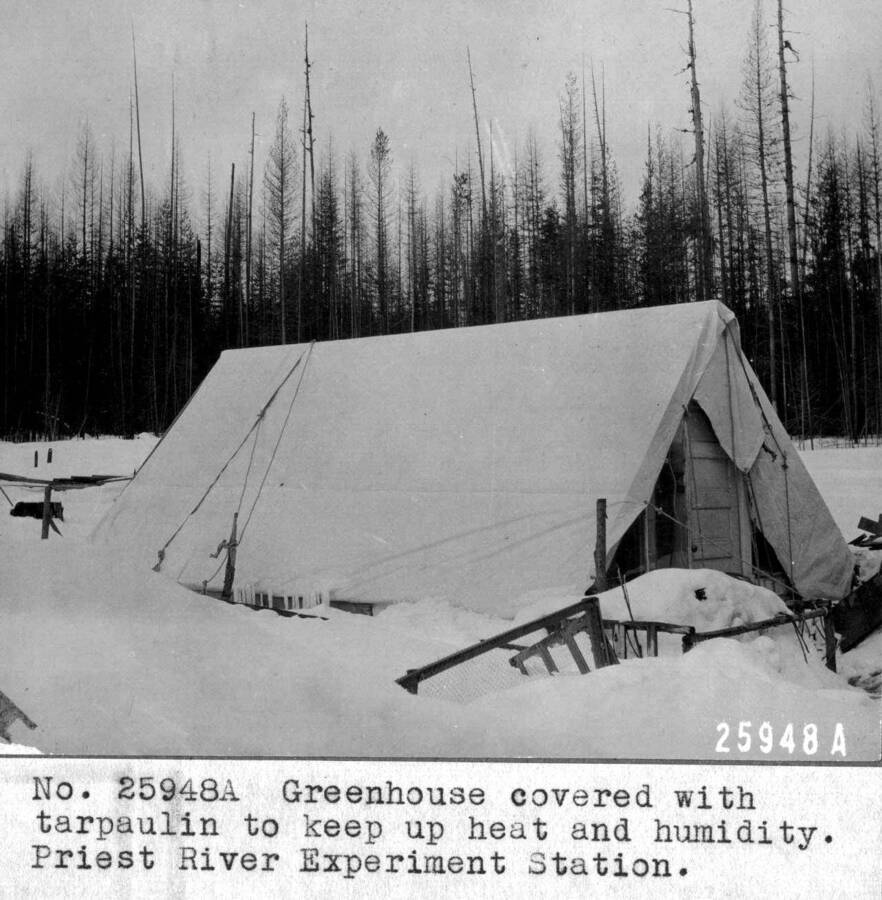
(506, 637)
(577, 655)
(358, 607)
(547, 658)
(61, 483)
(781, 619)
(869, 525)
(644, 624)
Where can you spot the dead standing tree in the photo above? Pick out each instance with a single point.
(308, 142)
(248, 238)
(757, 102)
(704, 237)
(380, 173)
(279, 184)
(793, 253)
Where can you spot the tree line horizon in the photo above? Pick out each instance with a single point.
(115, 305)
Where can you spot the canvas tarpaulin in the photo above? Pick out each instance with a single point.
(790, 512)
(463, 463)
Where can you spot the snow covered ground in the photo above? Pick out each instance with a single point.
(107, 659)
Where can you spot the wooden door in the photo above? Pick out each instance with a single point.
(718, 517)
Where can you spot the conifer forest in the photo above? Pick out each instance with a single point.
(117, 295)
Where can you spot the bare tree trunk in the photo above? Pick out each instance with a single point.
(477, 136)
(767, 224)
(138, 122)
(793, 258)
(248, 238)
(228, 239)
(310, 140)
(301, 280)
(877, 218)
(705, 251)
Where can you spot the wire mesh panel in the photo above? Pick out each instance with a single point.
(473, 678)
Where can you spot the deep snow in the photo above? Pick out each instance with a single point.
(107, 659)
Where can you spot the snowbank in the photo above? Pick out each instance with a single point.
(704, 598)
(113, 660)
(109, 660)
(863, 665)
(670, 708)
(17, 750)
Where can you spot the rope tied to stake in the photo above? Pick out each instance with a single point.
(241, 534)
(255, 425)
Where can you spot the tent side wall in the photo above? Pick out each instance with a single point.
(787, 506)
(463, 463)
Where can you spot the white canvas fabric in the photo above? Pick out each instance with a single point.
(463, 463)
(790, 511)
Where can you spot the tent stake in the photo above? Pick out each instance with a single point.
(230, 573)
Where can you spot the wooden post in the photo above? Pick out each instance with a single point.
(829, 641)
(600, 548)
(594, 628)
(230, 573)
(47, 510)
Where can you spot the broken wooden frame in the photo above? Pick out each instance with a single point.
(588, 623)
(824, 612)
(691, 637)
(586, 608)
(620, 630)
(584, 617)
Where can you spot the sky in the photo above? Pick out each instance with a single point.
(395, 64)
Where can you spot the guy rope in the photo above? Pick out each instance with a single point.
(254, 430)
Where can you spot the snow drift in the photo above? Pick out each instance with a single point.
(109, 660)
